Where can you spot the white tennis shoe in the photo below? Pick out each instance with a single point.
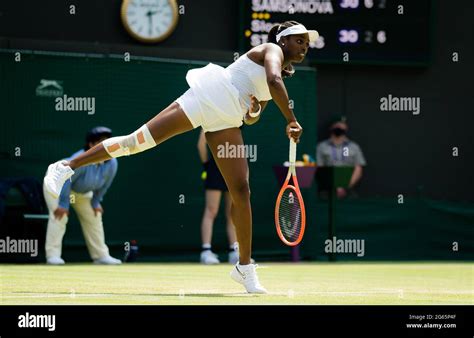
(108, 260)
(209, 258)
(55, 261)
(247, 276)
(55, 177)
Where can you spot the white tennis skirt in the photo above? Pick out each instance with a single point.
(212, 102)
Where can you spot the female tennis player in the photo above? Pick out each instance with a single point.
(219, 100)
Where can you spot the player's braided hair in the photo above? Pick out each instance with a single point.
(277, 29)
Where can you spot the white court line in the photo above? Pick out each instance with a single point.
(399, 292)
(54, 295)
(76, 295)
(334, 293)
(190, 293)
(389, 291)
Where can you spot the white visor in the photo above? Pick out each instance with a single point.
(298, 29)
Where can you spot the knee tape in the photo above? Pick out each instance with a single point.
(136, 142)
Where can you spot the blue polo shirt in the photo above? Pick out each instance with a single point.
(95, 177)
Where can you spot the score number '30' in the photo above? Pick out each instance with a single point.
(355, 3)
(352, 36)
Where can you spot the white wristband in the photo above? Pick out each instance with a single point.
(253, 115)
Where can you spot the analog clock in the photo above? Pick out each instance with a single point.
(149, 21)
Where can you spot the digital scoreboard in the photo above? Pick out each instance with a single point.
(353, 31)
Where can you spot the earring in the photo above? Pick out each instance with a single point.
(283, 44)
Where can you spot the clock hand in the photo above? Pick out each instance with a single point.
(150, 24)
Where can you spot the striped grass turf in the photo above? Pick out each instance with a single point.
(194, 284)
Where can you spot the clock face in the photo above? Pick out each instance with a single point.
(149, 20)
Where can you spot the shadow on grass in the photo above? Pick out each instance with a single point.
(111, 294)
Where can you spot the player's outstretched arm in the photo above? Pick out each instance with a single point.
(273, 62)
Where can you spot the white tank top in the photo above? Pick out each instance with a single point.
(250, 79)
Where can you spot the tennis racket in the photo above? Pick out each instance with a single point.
(290, 215)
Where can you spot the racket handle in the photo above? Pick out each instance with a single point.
(292, 151)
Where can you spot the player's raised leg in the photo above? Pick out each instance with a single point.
(168, 123)
(236, 175)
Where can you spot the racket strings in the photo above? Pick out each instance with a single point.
(289, 215)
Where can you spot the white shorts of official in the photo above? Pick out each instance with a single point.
(211, 102)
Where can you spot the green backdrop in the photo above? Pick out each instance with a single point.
(143, 203)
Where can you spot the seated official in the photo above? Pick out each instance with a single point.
(338, 150)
